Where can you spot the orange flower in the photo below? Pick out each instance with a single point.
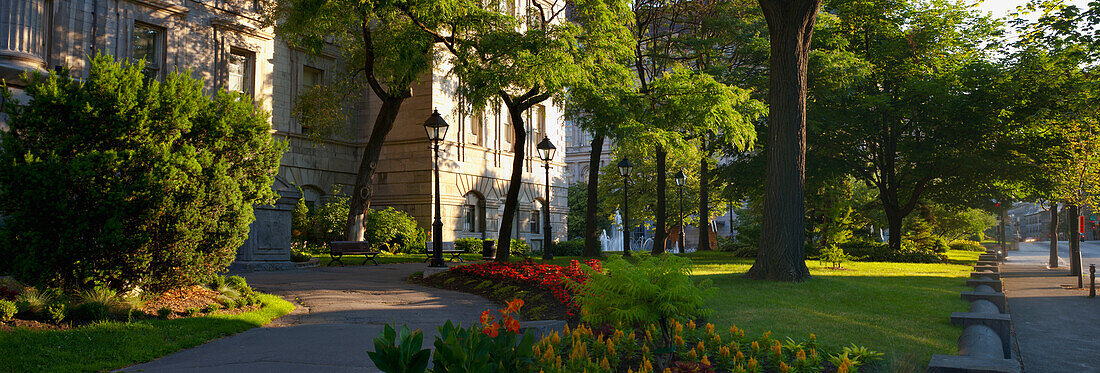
(512, 325)
(514, 305)
(492, 330)
(486, 317)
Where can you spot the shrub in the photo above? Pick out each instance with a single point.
(324, 223)
(57, 312)
(395, 229)
(652, 290)
(34, 302)
(299, 256)
(572, 248)
(520, 247)
(239, 284)
(164, 312)
(91, 311)
(880, 252)
(469, 244)
(210, 308)
(141, 182)
(966, 245)
(834, 255)
(191, 311)
(7, 310)
(738, 249)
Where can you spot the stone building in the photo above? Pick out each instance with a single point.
(220, 41)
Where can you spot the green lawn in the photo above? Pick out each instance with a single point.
(113, 345)
(900, 309)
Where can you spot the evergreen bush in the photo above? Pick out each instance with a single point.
(468, 244)
(120, 180)
(397, 230)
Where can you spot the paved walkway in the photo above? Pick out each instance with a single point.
(340, 311)
(1057, 329)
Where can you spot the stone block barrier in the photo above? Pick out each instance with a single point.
(985, 345)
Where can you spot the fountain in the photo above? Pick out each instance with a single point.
(614, 241)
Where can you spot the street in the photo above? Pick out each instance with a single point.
(1038, 253)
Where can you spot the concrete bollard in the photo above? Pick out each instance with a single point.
(995, 284)
(980, 341)
(992, 275)
(984, 306)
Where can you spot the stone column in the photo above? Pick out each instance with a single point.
(22, 36)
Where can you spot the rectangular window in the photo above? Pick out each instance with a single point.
(146, 45)
(509, 133)
(470, 222)
(533, 223)
(310, 77)
(477, 128)
(241, 76)
(541, 113)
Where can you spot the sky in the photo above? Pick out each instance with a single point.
(1002, 8)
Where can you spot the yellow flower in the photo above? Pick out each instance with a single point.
(691, 324)
(566, 331)
(700, 347)
(752, 363)
(557, 361)
(813, 337)
(610, 347)
(740, 356)
(604, 364)
(724, 352)
(800, 355)
(600, 339)
(536, 351)
(717, 339)
(555, 338)
(767, 334)
(783, 367)
(692, 355)
(631, 336)
(777, 349)
(647, 364)
(645, 350)
(628, 370)
(705, 360)
(710, 328)
(548, 356)
(755, 346)
(648, 336)
(668, 370)
(678, 327)
(678, 341)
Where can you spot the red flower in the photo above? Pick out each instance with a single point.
(492, 330)
(511, 324)
(486, 317)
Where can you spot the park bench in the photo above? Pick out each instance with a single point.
(337, 249)
(448, 249)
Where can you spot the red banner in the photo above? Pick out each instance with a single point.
(1081, 224)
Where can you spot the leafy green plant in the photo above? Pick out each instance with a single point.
(300, 256)
(520, 247)
(57, 312)
(394, 229)
(7, 310)
(459, 349)
(468, 244)
(164, 312)
(653, 290)
(191, 311)
(143, 182)
(400, 351)
(210, 308)
(861, 355)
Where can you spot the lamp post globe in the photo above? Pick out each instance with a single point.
(546, 152)
(625, 169)
(436, 128)
(680, 178)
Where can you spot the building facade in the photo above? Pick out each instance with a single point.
(222, 42)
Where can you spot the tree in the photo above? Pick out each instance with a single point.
(919, 114)
(782, 256)
(121, 181)
(517, 62)
(384, 51)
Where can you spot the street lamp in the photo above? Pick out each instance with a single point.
(680, 183)
(546, 152)
(624, 171)
(436, 128)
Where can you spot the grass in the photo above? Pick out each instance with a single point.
(900, 309)
(112, 345)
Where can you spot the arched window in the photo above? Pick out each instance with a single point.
(312, 195)
(473, 213)
(533, 218)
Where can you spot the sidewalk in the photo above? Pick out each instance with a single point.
(1057, 329)
(340, 311)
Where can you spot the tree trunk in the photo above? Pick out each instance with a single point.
(361, 195)
(704, 205)
(1072, 216)
(504, 238)
(893, 222)
(1054, 235)
(591, 231)
(782, 253)
(661, 228)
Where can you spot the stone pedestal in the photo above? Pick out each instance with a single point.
(268, 245)
(22, 38)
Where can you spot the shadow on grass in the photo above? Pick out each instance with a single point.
(116, 344)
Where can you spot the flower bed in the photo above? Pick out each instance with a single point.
(546, 276)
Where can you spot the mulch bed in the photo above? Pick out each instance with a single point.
(539, 304)
(179, 300)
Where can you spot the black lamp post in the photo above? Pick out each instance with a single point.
(624, 171)
(680, 183)
(436, 128)
(546, 152)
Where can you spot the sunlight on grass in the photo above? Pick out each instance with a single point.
(113, 344)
